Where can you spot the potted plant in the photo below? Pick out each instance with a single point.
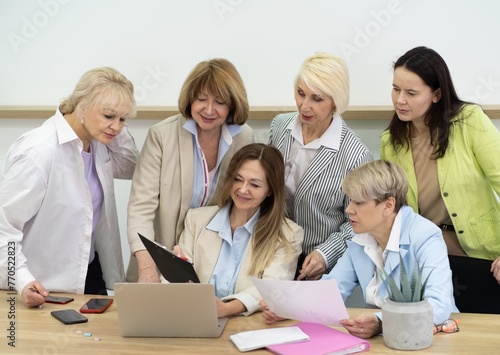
(407, 315)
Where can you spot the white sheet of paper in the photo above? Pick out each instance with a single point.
(255, 339)
(307, 301)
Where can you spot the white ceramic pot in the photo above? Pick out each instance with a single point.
(407, 326)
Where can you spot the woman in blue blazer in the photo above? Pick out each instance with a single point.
(386, 232)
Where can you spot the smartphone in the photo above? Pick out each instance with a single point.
(96, 305)
(58, 299)
(69, 316)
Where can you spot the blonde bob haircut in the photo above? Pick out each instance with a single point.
(377, 180)
(326, 74)
(268, 234)
(220, 78)
(104, 87)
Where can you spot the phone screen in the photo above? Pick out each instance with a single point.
(96, 305)
(58, 299)
(69, 316)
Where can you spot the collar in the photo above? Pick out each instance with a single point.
(329, 139)
(393, 242)
(366, 239)
(64, 131)
(221, 222)
(227, 131)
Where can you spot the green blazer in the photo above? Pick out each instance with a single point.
(469, 180)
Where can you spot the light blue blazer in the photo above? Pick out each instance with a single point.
(421, 242)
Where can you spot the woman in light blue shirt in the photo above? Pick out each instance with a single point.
(247, 234)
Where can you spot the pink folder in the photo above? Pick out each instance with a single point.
(323, 340)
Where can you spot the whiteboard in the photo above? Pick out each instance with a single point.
(46, 45)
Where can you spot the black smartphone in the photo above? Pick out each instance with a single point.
(96, 305)
(69, 316)
(58, 299)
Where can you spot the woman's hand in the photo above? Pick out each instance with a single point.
(363, 326)
(495, 269)
(313, 267)
(230, 308)
(178, 251)
(34, 294)
(269, 316)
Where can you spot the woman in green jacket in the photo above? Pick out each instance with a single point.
(450, 151)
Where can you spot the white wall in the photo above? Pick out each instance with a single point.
(46, 45)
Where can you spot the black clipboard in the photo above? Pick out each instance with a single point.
(173, 268)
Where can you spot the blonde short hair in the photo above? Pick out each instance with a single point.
(377, 180)
(220, 77)
(328, 74)
(101, 86)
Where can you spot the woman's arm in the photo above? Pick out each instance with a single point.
(145, 191)
(282, 267)
(124, 154)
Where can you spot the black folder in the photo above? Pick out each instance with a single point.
(173, 268)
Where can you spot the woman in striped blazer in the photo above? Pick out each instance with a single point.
(319, 151)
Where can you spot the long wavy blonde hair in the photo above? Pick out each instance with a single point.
(268, 233)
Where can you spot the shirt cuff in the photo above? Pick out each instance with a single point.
(251, 304)
(23, 277)
(324, 258)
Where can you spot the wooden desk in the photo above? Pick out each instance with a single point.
(37, 332)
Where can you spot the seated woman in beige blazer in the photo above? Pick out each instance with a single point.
(247, 234)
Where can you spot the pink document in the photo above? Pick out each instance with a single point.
(323, 340)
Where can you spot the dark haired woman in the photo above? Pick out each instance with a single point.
(449, 150)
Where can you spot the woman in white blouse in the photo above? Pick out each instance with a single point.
(58, 221)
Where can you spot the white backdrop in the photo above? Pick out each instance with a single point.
(45, 46)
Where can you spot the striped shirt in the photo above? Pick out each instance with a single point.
(319, 204)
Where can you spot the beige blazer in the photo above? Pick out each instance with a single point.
(202, 247)
(162, 185)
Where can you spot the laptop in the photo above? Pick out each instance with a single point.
(474, 287)
(173, 268)
(172, 310)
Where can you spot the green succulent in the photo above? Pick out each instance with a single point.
(411, 289)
